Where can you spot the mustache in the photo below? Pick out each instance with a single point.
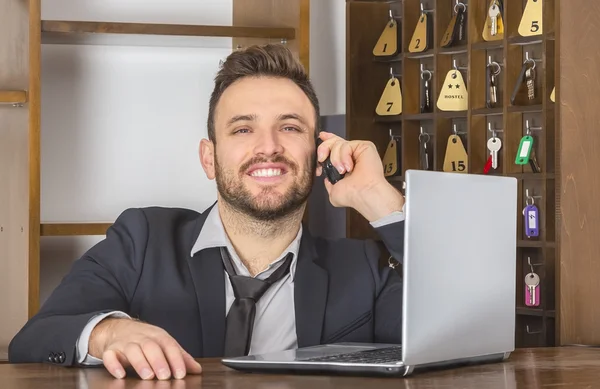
(276, 159)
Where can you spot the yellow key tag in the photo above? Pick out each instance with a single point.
(454, 95)
(456, 159)
(387, 44)
(552, 96)
(390, 159)
(531, 22)
(447, 38)
(390, 102)
(493, 29)
(418, 43)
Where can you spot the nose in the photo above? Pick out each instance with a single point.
(268, 143)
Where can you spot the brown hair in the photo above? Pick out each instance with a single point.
(272, 60)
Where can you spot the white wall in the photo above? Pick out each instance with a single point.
(328, 54)
(121, 125)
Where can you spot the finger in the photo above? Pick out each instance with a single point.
(324, 135)
(192, 366)
(328, 186)
(112, 364)
(136, 358)
(175, 358)
(156, 357)
(346, 156)
(319, 170)
(335, 157)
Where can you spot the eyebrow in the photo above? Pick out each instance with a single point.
(286, 116)
(241, 118)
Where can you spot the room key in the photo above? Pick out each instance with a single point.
(532, 281)
(494, 144)
(493, 12)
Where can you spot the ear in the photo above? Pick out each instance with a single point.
(207, 158)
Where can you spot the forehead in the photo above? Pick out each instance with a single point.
(265, 97)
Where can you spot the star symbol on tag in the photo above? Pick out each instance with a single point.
(449, 86)
(457, 86)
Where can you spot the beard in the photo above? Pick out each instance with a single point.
(268, 204)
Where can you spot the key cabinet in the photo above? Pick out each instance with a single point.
(405, 44)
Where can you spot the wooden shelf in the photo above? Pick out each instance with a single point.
(530, 243)
(388, 119)
(487, 111)
(419, 116)
(452, 114)
(535, 312)
(453, 50)
(425, 54)
(71, 229)
(117, 33)
(526, 108)
(395, 58)
(525, 40)
(13, 96)
(493, 45)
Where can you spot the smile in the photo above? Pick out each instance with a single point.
(266, 172)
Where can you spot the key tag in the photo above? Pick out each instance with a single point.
(531, 218)
(391, 158)
(390, 102)
(488, 34)
(387, 44)
(454, 95)
(456, 159)
(420, 39)
(531, 22)
(425, 154)
(525, 146)
(455, 32)
(426, 91)
(552, 96)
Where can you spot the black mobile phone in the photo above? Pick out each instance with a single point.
(329, 170)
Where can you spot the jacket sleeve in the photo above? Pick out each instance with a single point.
(388, 304)
(104, 279)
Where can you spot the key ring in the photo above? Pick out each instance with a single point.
(428, 73)
(529, 60)
(424, 135)
(464, 7)
(497, 66)
(392, 265)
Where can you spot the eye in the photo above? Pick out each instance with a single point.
(289, 128)
(242, 131)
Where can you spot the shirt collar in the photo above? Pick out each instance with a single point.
(213, 234)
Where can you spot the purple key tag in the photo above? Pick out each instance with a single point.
(532, 221)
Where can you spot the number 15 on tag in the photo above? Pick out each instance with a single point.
(532, 221)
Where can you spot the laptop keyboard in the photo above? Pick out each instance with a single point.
(382, 355)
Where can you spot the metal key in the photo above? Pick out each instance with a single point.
(493, 90)
(530, 77)
(532, 281)
(494, 144)
(493, 12)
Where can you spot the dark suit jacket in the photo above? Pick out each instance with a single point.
(144, 268)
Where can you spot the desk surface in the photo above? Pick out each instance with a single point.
(560, 367)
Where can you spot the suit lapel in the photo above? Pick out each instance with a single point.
(207, 272)
(310, 293)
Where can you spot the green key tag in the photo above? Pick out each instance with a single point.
(524, 150)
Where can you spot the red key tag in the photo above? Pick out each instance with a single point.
(488, 165)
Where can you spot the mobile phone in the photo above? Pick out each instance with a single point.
(329, 170)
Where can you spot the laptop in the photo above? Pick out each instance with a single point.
(458, 270)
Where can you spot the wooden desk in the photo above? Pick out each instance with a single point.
(527, 368)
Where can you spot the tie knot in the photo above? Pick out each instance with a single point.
(248, 287)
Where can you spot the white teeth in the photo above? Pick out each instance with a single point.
(266, 172)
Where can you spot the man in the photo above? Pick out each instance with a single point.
(169, 285)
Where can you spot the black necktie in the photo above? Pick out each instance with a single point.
(247, 291)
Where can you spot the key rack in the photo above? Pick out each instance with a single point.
(540, 181)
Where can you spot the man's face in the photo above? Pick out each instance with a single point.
(264, 159)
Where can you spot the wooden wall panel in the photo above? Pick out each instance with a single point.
(275, 13)
(14, 171)
(577, 97)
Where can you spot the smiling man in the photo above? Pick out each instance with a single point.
(168, 285)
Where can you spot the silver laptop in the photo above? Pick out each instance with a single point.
(459, 272)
